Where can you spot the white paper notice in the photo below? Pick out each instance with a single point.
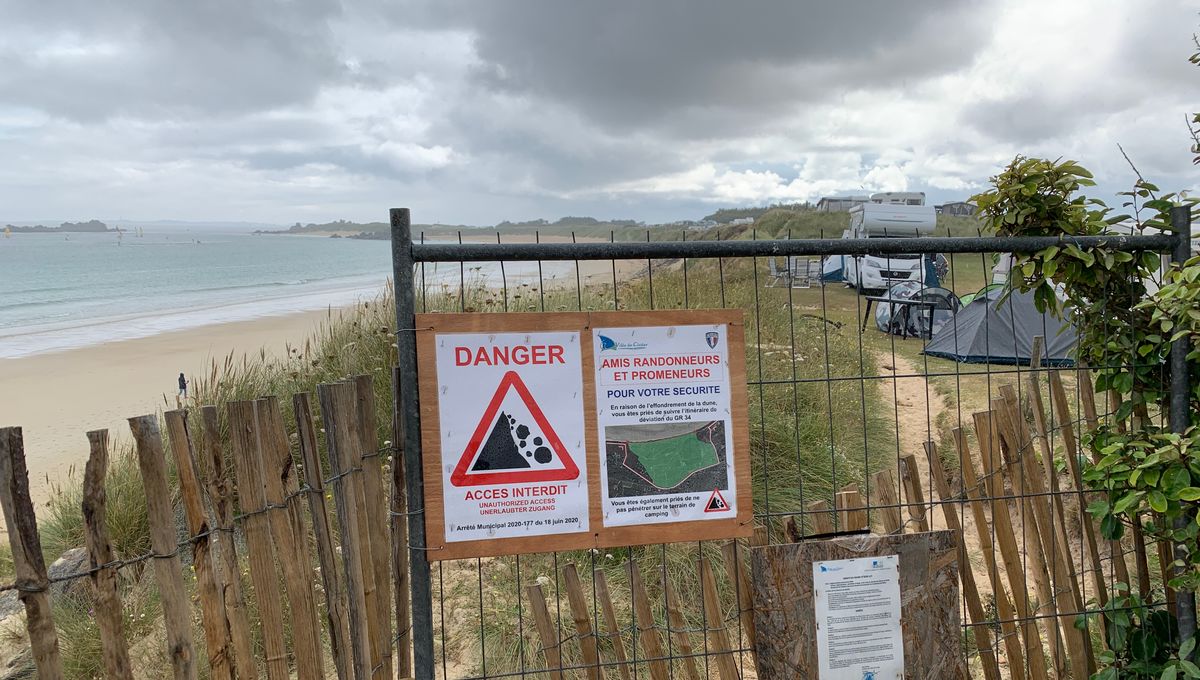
(664, 422)
(858, 618)
(512, 428)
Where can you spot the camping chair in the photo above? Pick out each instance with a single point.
(805, 270)
(777, 275)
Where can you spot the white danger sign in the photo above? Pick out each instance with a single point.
(665, 424)
(512, 434)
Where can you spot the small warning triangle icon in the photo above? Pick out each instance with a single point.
(513, 442)
(716, 502)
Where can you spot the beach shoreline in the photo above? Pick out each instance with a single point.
(59, 393)
(57, 397)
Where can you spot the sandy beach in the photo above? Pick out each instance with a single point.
(59, 396)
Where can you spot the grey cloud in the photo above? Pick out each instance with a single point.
(630, 64)
(90, 61)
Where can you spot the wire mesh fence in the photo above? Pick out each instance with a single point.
(856, 426)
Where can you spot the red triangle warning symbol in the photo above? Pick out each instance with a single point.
(513, 442)
(716, 502)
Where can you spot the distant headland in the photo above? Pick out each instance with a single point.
(91, 226)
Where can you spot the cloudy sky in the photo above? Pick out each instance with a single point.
(474, 112)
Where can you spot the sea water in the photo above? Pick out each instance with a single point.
(62, 291)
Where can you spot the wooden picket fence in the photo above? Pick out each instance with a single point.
(1025, 514)
(361, 560)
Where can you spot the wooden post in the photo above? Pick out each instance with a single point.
(168, 571)
(28, 563)
(372, 527)
(1087, 397)
(819, 517)
(212, 607)
(678, 627)
(550, 643)
(244, 436)
(335, 606)
(739, 576)
(399, 529)
(583, 622)
(216, 481)
(913, 493)
(338, 413)
(289, 534)
(855, 505)
(104, 578)
(983, 637)
(883, 493)
(612, 629)
(986, 433)
(714, 625)
(647, 634)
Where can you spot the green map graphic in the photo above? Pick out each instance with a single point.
(670, 461)
(681, 458)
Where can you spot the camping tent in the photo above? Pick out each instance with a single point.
(833, 268)
(998, 327)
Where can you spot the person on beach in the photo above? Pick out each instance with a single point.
(182, 386)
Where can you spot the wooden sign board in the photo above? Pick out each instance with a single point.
(788, 633)
(545, 432)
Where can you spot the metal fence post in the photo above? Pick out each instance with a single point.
(1181, 221)
(406, 353)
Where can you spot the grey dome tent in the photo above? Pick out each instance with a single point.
(998, 327)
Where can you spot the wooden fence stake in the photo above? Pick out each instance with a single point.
(1139, 539)
(168, 571)
(289, 534)
(1038, 545)
(1062, 567)
(335, 607)
(104, 579)
(399, 530)
(1062, 411)
(371, 526)
(1087, 397)
(983, 636)
(28, 563)
(647, 634)
(1004, 608)
(212, 607)
(583, 622)
(913, 493)
(677, 625)
(883, 492)
(338, 414)
(612, 629)
(216, 481)
(987, 434)
(714, 624)
(247, 456)
(550, 642)
(739, 576)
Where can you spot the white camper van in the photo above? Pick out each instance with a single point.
(884, 220)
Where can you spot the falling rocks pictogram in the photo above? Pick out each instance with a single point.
(500, 452)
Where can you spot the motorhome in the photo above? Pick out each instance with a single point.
(899, 197)
(887, 220)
